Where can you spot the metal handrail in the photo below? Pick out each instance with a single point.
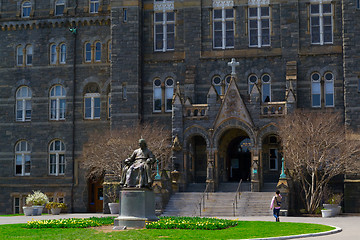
(202, 198)
(236, 196)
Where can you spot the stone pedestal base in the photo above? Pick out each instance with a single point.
(137, 206)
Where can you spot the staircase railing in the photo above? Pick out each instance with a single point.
(201, 202)
(237, 195)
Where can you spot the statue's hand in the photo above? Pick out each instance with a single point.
(127, 161)
(148, 161)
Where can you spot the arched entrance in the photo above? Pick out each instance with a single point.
(197, 159)
(234, 156)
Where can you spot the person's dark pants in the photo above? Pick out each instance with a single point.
(276, 212)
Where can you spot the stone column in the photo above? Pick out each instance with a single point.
(210, 171)
(255, 181)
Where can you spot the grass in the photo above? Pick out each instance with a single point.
(244, 229)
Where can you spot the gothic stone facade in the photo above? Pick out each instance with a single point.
(168, 61)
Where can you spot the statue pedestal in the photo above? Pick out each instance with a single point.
(137, 206)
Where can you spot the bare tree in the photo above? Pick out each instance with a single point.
(316, 148)
(106, 151)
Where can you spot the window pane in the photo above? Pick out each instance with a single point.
(316, 100)
(327, 8)
(252, 12)
(329, 100)
(229, 13)
(27, 164)
(266, 92)
(18, 167)
(159, 17)
(96, 107)
(53, 109)
(170, 16)
(265, 11)
(314, 8)
(61, 164)
(98, 51)
(217, 14)
(52, 164)
(62, 108)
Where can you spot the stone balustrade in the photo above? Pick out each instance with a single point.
(196, 111)
(273, 109)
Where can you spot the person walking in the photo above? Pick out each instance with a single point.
(276, 205)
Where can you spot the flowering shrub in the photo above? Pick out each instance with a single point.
(51, 205)
(36, 198)
(191, 223)
(71, 222)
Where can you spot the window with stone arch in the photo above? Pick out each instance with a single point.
(26, 9)
(259, 23)
(216, 82)
(227, 82)
(321, 22)
(157, 95)
(223, 24)
(62, 53)
(316, 89)
(94, 6)
(59, 7)
(22, 158)
(266, 88)
(87, 52)
(53, 54)
(56, 158)
(97, 51)
(252, 81)
(29, 55)
(19, 55)
(92, 102)
(169, 93)
(329, 89)
(164, 26)
(57, 103)
(23, 104)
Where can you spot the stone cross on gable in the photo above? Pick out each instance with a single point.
(233, 65)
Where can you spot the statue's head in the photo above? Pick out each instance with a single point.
(142, 143)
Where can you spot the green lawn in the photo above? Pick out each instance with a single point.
(244, 229)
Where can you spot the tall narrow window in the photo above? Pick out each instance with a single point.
(88, 52)
(23, 104)
(321, 21)
(59, 7)
(329, 89)
(157, 95)
(26, 9)
(22, 158)
(252, 80)
(16, 205)
(266, 88)
(169, 92)
(227, 82)
(164, 31)
(216, 81)
(223, 28)
(29, 54)
(357, 4)
(94, 6)
(273, 161)
(124, 91)
(20, 55)
(63, 53)
(57, 103)
(316, 90)
(53, 54)
(259, 26)
(92, 106)
(97, 52)
(57, 158)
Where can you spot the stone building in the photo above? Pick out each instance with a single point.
(218, 72)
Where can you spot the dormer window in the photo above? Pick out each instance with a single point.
(26, 9)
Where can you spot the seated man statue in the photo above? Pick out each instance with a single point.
(137, 169)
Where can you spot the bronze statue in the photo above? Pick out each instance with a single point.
(137, 169)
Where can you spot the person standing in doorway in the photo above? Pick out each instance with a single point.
(276, 205)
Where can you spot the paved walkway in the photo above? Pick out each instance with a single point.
(350, 224)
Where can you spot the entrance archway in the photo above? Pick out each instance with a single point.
(234, 156)
(197, 159)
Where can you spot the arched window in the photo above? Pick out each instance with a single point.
(23, 104)
(26, 9)
(53, 54)
(92, 102)
(59, 7)
(157, 95)
(94, 6)
(316, 90)
(63, 53)
(87, 52)
(20, 55)
(22, 158)
(227, 82)
(57, 158)
(266, 88)
(216, 81)
(57, 103)
(169, 92)
(97, 52)
(252, 80)
(29, 54)
(329, 89)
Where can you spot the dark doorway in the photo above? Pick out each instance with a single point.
(239, 159)
(96, 196)
(200, 159)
